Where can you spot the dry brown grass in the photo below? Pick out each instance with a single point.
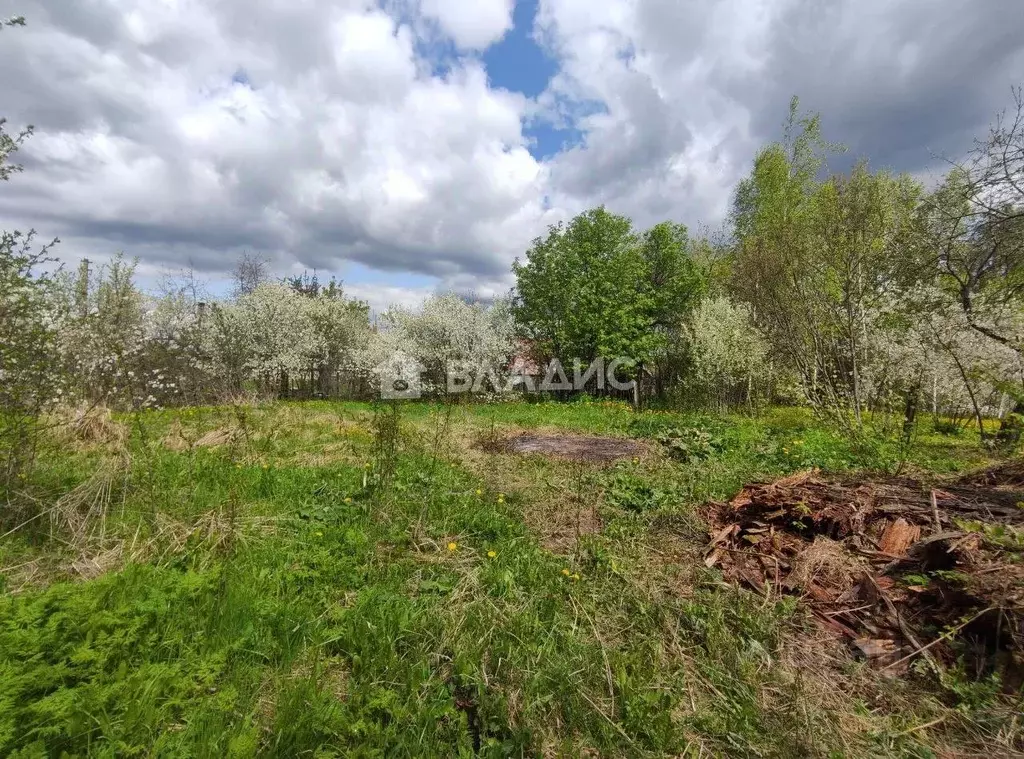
(90, 426)
(90, 565)
(80, 514)
(825, 563)
(219, 437)
(181, 438)
(816, 670)
(240, 398)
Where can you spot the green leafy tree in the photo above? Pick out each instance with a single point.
(816, 259)
(594, 288)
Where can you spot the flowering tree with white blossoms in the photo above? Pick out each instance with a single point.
(275, 334)
(28, 356)
(103, 338)
(447, 332)
(727, 356)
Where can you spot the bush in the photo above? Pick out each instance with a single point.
(28, 378)
(946, 427)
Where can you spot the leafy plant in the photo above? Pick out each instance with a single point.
(634, 494)
(689, 444)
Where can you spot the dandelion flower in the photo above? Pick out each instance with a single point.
(319, 534)
(501, 498)
(576, 578)
(348, 500)
(565, 572)
(479, 491)
(491, 554)
(452, 546)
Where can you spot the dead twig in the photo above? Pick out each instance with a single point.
(944, 636)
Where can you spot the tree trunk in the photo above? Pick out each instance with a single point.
(910, 411)
(1011, 426)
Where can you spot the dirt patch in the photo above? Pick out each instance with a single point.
(576, 447)
(900, 568)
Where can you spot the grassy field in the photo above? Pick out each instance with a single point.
(334, 579)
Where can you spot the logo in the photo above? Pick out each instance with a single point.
(399, 377)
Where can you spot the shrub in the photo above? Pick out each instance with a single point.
(946, 427)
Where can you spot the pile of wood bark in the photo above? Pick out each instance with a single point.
(902, 569)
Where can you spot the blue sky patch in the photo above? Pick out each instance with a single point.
(517, 63)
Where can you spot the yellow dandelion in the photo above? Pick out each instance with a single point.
(266, 466)
(348, 500)
(565, 572)
(491, 554)
(576, 578)
(319, 534)
(238, 466)
(479, 491)
(452, 546)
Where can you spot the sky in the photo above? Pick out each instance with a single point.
(415, 146)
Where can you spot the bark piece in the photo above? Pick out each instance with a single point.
(898, 537)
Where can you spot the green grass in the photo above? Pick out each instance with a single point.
(270, 597)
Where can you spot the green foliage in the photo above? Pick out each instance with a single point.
(634, 493)
(594, 288)
(821, 263)
(946, 427)
(687, 444)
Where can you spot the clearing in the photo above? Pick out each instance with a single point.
(526, 579)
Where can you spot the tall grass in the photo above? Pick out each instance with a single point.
(271, 598)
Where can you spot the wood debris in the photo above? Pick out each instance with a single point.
(900, 568)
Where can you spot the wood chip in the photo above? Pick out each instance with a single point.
(874, 648)
(898, 537)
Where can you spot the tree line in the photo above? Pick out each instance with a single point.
(862, 294)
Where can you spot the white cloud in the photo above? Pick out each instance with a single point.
(199, 128)
(381, 297)
(677, 95)
(322, 133)
(473, 24)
